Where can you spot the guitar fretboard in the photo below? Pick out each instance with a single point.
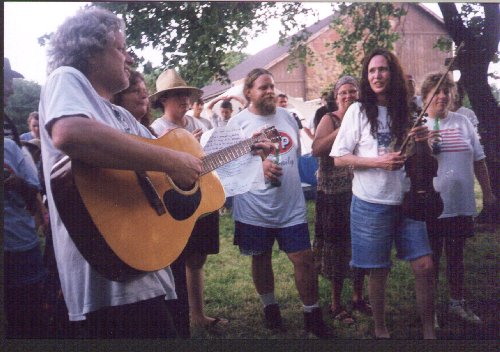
(226, 155)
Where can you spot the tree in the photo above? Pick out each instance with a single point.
(197, 37)
(234, 58)
(478, 26)
(24, 100)
(370, 28)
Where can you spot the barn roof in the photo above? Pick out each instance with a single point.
(272, 53)
(260, 59)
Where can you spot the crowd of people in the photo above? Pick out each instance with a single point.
(94, 105)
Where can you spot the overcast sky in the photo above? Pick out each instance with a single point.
(25, 22)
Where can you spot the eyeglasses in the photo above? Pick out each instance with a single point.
(345, 93)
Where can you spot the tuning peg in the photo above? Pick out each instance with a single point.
(426, 115)
(424, 120)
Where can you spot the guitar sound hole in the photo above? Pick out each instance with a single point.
(180, 206)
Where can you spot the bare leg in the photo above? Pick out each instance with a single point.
(376, 291)
(306, 278)
(357, 284)
(424, 290)
(195, 285)
(262, 273)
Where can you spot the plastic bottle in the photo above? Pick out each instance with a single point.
(276, 182)
(436, 144)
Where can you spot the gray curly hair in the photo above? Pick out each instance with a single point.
(88, 32)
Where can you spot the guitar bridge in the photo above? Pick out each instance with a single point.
(150, 192)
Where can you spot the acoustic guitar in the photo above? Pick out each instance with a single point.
(126, 223)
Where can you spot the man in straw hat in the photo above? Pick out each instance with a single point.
(172, 97)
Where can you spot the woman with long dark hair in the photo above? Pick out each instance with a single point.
(369, 137)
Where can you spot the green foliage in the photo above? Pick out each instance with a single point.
(234, 58)
(299, 51)
(472, 16)
(24, 100)
(195, 37)
(370, 28)
(444, 44)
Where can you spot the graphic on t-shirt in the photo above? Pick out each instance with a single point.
(286, 143)
(453, 141)
(383, 142)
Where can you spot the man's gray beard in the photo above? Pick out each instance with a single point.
(266, 106)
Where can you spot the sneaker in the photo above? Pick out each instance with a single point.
(463, 312)
(313, 323)
(272, 317)
(473, 318)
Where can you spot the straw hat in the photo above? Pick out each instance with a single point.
(169, 81)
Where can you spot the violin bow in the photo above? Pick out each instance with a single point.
(436, 89)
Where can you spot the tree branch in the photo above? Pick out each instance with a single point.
(452, 21)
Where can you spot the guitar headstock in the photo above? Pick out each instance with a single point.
(272, 134)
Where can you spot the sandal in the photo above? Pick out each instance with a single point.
(362, 306)
(217, 322)
(214, 324)
(342, 316)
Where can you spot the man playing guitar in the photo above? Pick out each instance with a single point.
(88, 64)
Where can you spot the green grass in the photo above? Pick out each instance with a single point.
(229, 293)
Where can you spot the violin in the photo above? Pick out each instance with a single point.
(422, 202)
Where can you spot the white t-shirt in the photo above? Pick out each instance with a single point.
(371, 185)
(218, 121)
(161, 126)
(273, 207)
(68, 92)
(460, 147)
(471, 116)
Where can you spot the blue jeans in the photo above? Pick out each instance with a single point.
(373, 229)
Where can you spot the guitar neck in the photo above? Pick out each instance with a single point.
(226, 155)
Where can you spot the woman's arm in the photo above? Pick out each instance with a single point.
(324, 137)
(482, 175)
(215, 101)
(388, 162)
(237, 98)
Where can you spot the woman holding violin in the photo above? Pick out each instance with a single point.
(365, 142)
(460, 157)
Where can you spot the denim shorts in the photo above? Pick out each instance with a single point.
(373, 229)
(256, 240)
